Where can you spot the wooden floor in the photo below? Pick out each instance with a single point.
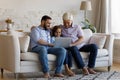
(115, 67)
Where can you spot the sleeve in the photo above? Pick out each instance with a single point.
(79, 31)
(52, 39)
(35, 35)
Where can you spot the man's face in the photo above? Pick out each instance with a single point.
(67, 23)
(47, 24)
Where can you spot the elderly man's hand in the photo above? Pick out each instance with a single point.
(71, 45)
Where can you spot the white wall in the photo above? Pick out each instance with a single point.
(26, 13)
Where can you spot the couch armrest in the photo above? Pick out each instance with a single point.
(9, 53)
(108, 45)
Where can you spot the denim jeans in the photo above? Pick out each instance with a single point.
(93, 49)
(77, 57)
(68, 59)
(43, 51)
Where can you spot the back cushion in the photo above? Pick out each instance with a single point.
(87, 35)
(24, 43)
(98, 40)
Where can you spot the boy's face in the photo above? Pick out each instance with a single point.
(57, 33)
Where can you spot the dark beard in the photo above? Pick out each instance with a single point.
(45, 27)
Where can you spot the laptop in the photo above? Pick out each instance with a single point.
(62, 42)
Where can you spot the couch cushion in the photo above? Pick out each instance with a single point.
(24, 43)
(31, 56)
(98, 40)
(87, 35)
(101, 53)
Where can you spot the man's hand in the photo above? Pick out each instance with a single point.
(42, 42)
(50, 45)
(71, 45)
(77, 42)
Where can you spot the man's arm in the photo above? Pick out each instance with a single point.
(42, 42)
(77, 42)
(36, 37)
(80, 36)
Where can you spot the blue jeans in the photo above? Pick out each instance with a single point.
(43, 51)
(68, 59)
(93, 49)
(76, 55)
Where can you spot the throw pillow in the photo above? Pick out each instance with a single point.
(98, 40)
(87, 35)
(24, 43)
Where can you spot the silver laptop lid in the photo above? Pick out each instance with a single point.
(62, 42)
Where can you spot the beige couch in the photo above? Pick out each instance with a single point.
(15, 55)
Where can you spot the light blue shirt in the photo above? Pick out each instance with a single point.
(38, 33)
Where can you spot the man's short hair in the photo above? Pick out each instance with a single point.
(45, 17)
(67, 16)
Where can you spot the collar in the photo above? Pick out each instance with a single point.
(40, 27)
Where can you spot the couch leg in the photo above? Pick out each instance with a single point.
(109, 68)
(2, 70)
(16, 76)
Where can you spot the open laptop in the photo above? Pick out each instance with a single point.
(62, 42)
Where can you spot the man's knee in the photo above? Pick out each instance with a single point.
(74, 48)
(62, 51)
(94, 46)
(42, 50)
